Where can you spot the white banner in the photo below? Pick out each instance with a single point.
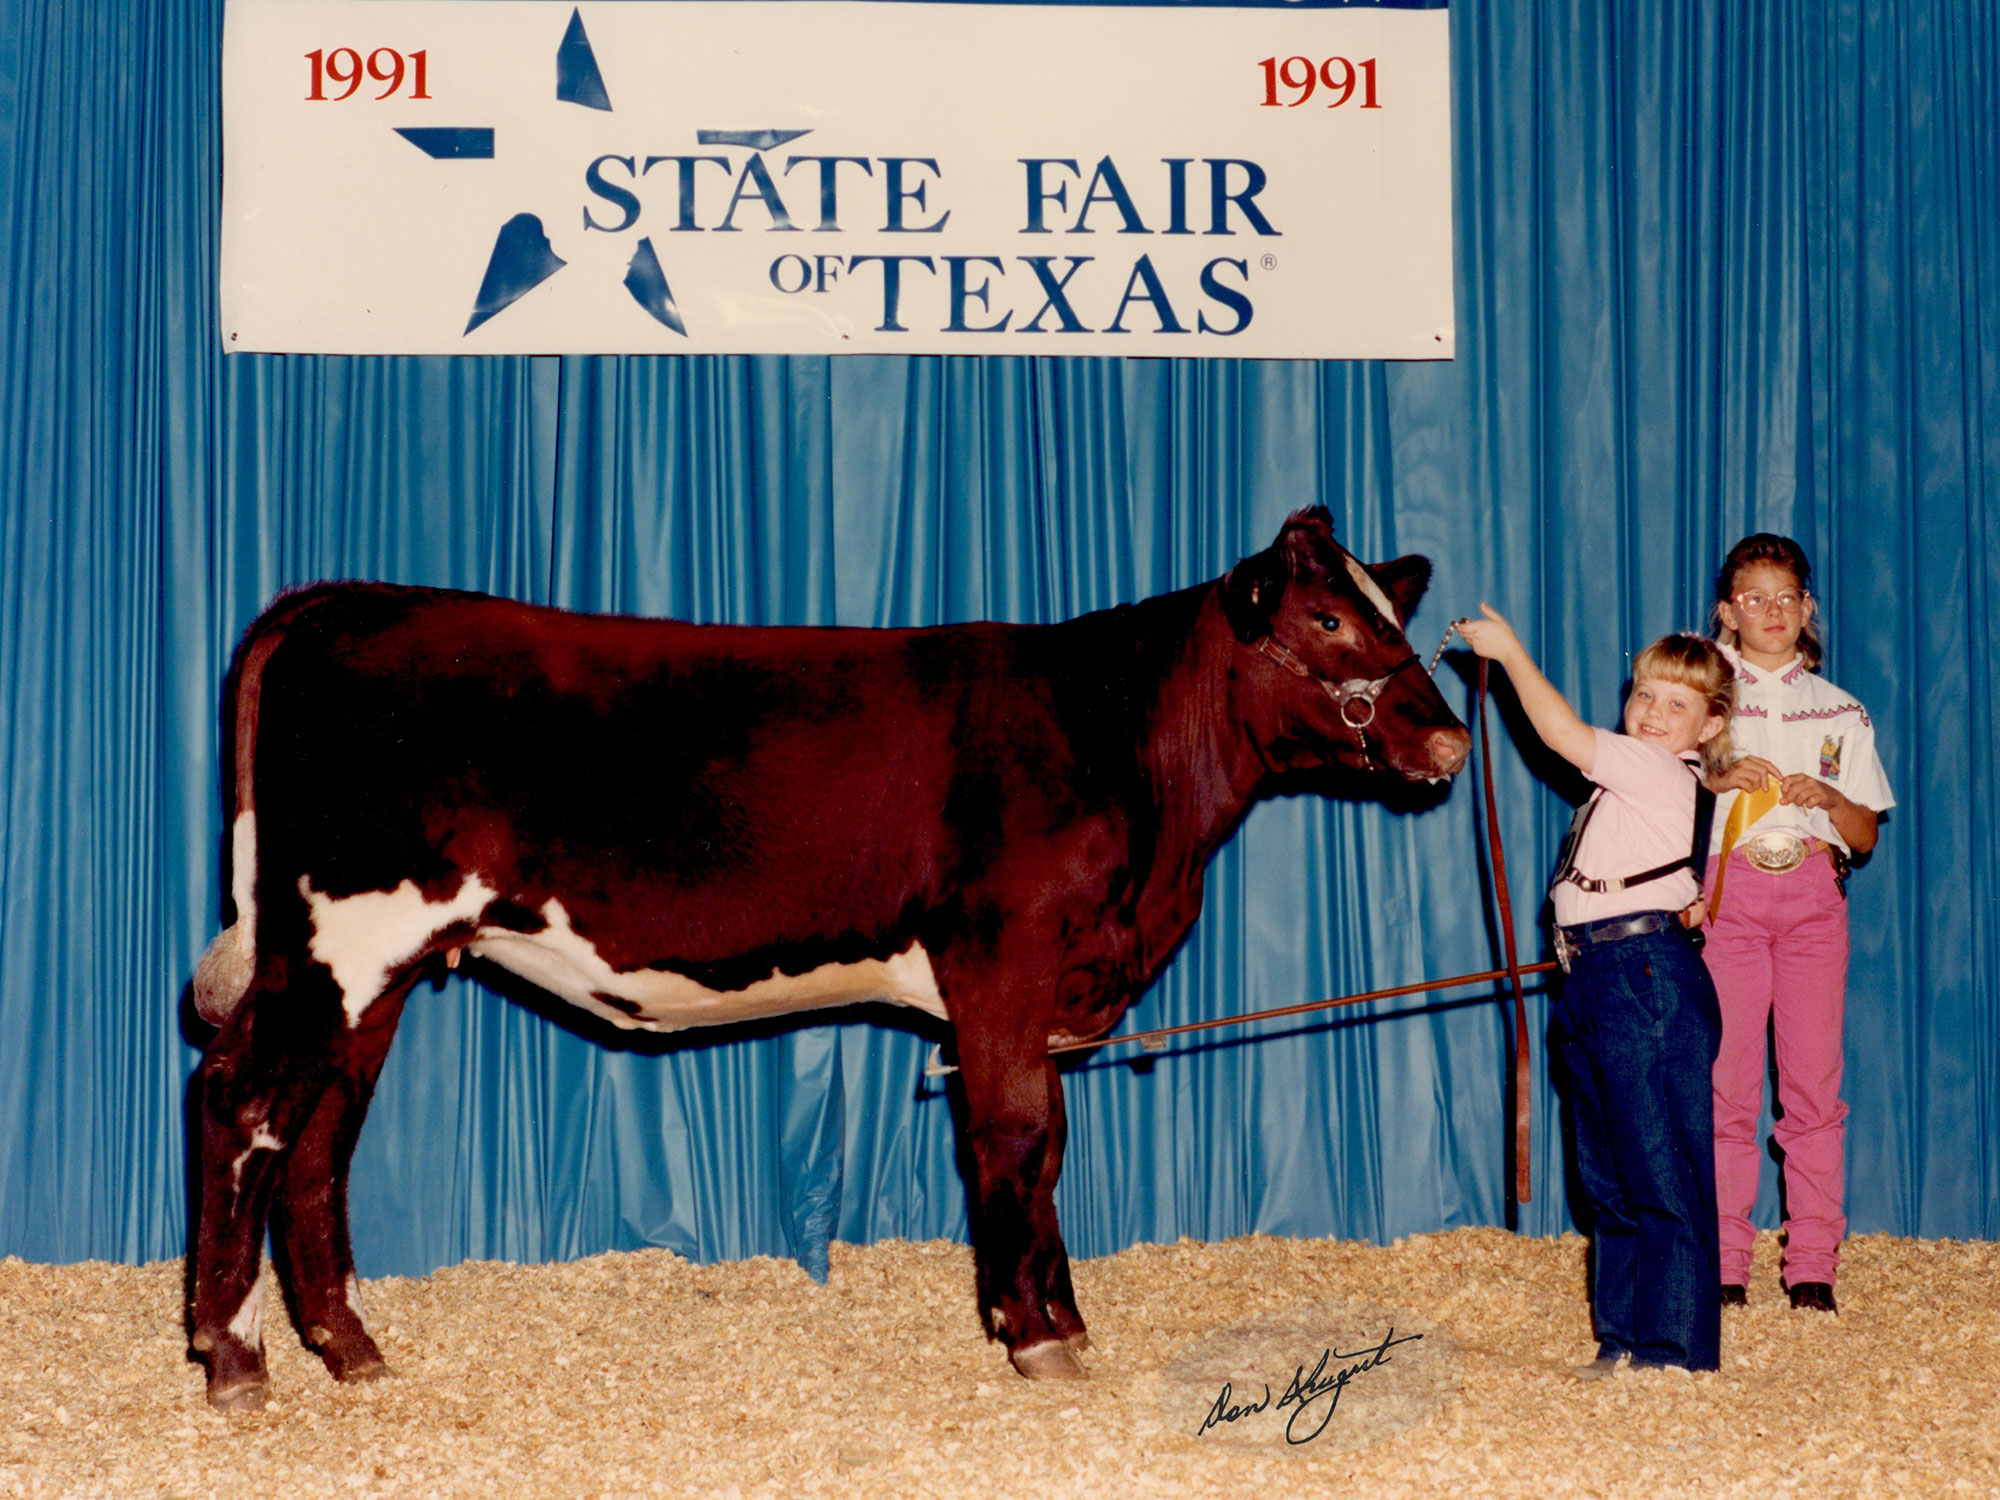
(816, 177)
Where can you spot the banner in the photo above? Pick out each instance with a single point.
(817, 177)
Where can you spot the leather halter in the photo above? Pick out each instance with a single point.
(1346, 694)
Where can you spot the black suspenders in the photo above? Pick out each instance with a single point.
(1696, 859)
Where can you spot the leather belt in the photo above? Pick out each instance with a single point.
(1571, 941)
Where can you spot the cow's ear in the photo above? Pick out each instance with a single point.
(1404, 581)
(1251, 591)
(1311, 554)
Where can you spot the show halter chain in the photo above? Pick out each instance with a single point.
(1438, 655)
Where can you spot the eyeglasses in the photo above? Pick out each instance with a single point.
(1788, 601)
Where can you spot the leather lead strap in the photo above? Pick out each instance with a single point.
(1523, 1110)
(1156, 1039)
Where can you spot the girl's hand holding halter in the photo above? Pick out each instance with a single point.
(1491, 637)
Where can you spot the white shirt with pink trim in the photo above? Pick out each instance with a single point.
(1799, 721)
(1644, 818)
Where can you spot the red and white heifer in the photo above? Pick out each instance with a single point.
(673, 825)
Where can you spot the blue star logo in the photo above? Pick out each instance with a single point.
(522, 257)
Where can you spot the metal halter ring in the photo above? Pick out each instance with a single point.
(1358, 690)
(1354, 690)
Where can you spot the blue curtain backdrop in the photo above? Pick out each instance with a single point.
(1720, 268)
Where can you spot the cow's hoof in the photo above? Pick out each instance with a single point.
(375, 1367)
(351, 1356)
(1067, 1325)
(244, 1395)
(237, 1378)
(1050, 1360)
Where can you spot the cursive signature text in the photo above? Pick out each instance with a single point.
(1226, 1411)
(1305, 1389)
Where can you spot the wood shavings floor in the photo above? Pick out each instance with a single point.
(641, 1374)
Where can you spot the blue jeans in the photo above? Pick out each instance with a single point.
(1637, 1028)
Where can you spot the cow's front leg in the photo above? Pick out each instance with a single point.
(1052, 1275)
(1014, 1118)
(309, 1232)
(256, 1086)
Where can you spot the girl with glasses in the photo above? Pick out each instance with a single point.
(1804, 794)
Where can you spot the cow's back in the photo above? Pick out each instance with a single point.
(720, 803)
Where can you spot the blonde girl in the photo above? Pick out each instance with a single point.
(1636, 1025)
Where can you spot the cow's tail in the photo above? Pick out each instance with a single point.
(223, 976)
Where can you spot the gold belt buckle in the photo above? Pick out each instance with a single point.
(1775, 853)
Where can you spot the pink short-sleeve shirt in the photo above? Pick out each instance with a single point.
(1644, 818)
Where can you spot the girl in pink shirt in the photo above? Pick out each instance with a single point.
(1636, 1024)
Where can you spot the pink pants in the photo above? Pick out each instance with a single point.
(1777, 950)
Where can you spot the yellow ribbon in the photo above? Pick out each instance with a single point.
(1747, 809)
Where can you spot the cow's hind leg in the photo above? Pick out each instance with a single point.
(258, 1082)
(309, 1233)
(1017, 1243)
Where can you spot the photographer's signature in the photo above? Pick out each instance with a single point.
(1306, 1388)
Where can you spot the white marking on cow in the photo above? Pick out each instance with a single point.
(354, 1296)
(243, 868)
(1372, 590)
(247, 1327)
(567, 964)
(364, 937)
(261, 1139)
(223, 976)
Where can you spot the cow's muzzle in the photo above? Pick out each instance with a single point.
(1450, 749)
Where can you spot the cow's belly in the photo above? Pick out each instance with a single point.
(566, 964)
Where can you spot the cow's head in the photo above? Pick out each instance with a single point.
(1332, 680)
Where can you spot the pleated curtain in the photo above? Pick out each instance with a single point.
(1720, 268)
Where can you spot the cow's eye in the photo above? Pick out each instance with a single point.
(1330, 624)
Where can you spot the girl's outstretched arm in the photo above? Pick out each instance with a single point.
(1554, 720)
